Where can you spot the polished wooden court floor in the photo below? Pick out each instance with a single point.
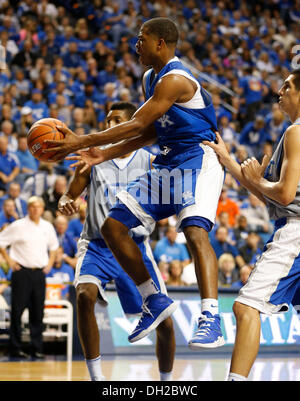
(271, 368)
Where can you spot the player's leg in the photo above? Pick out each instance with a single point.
(205, 260)
(209, 334)
(86, 296)
(156, 306)
(95, 267)
(246, 342)
(125, 250)
(132, 304)
(196, 217)
(270, 288)
(165, 348)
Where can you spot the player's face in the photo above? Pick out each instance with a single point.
(116, 117)
(288, 95)
(145, 47)
(35, 210)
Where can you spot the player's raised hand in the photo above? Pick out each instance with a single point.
(64, 147)
(219, 147)
(252, 170)
(87, 158)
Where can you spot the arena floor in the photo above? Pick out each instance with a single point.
(270, 368)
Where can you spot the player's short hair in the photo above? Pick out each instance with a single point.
(128, 107)
(163, 28)
(296, 79)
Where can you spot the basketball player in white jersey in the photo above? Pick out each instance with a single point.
(272, 285)
(96, 264)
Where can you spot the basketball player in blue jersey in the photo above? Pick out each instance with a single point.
(274, 282)
(96, 265)
(186, 181)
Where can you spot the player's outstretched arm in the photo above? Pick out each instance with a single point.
(167, 91)
(85, 159)
(67, 203)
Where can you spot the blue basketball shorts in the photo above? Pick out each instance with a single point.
(96, 264)
(190, 191)
(274, 282)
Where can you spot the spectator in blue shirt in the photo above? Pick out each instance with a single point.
(27, 163)
(253, 136)
(76, 225)
(38, 106)
(66, 241)
(72, 58)
(168, 249)
(61, 273)
(107, 74)
(13, 193)
(253, 89)
(8, 213)
(252, 248)
(244, 273)
(9, 167)
(221, 245)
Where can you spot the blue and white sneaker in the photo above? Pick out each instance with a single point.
(208, 334)
(156, 308)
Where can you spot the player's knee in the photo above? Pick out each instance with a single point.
(86, 297)
(244, 312)
(112, 228)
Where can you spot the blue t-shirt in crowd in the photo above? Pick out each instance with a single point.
(75, 228)
(167, 252)
(223, 247)
(62, 274)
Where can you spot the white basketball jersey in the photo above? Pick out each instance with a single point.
(107, 179)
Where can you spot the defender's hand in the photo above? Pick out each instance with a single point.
(219, 148)
(87, 158)
(253, 171)
(67, 206)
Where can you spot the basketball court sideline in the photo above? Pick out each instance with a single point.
(144, 368)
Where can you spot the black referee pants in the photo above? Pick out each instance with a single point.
(27, 291)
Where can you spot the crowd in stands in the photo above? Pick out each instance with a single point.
(71, 60)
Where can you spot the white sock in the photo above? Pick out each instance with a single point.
(94, 368)
(234, 377)
(165, 376)
(147, 288)
(210, 305)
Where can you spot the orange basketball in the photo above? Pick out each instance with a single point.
(41, 130)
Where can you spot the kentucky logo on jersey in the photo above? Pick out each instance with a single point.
(165, 121)
(188, 198)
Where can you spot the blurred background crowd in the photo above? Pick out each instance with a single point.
(71, 60)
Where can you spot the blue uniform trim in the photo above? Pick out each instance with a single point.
(121, 213)
(198, 221)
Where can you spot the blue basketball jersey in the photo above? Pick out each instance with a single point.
(181, 129)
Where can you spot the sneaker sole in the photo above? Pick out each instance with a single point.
(219, 343)
(160, 318)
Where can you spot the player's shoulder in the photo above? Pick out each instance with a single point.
(292, 132)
